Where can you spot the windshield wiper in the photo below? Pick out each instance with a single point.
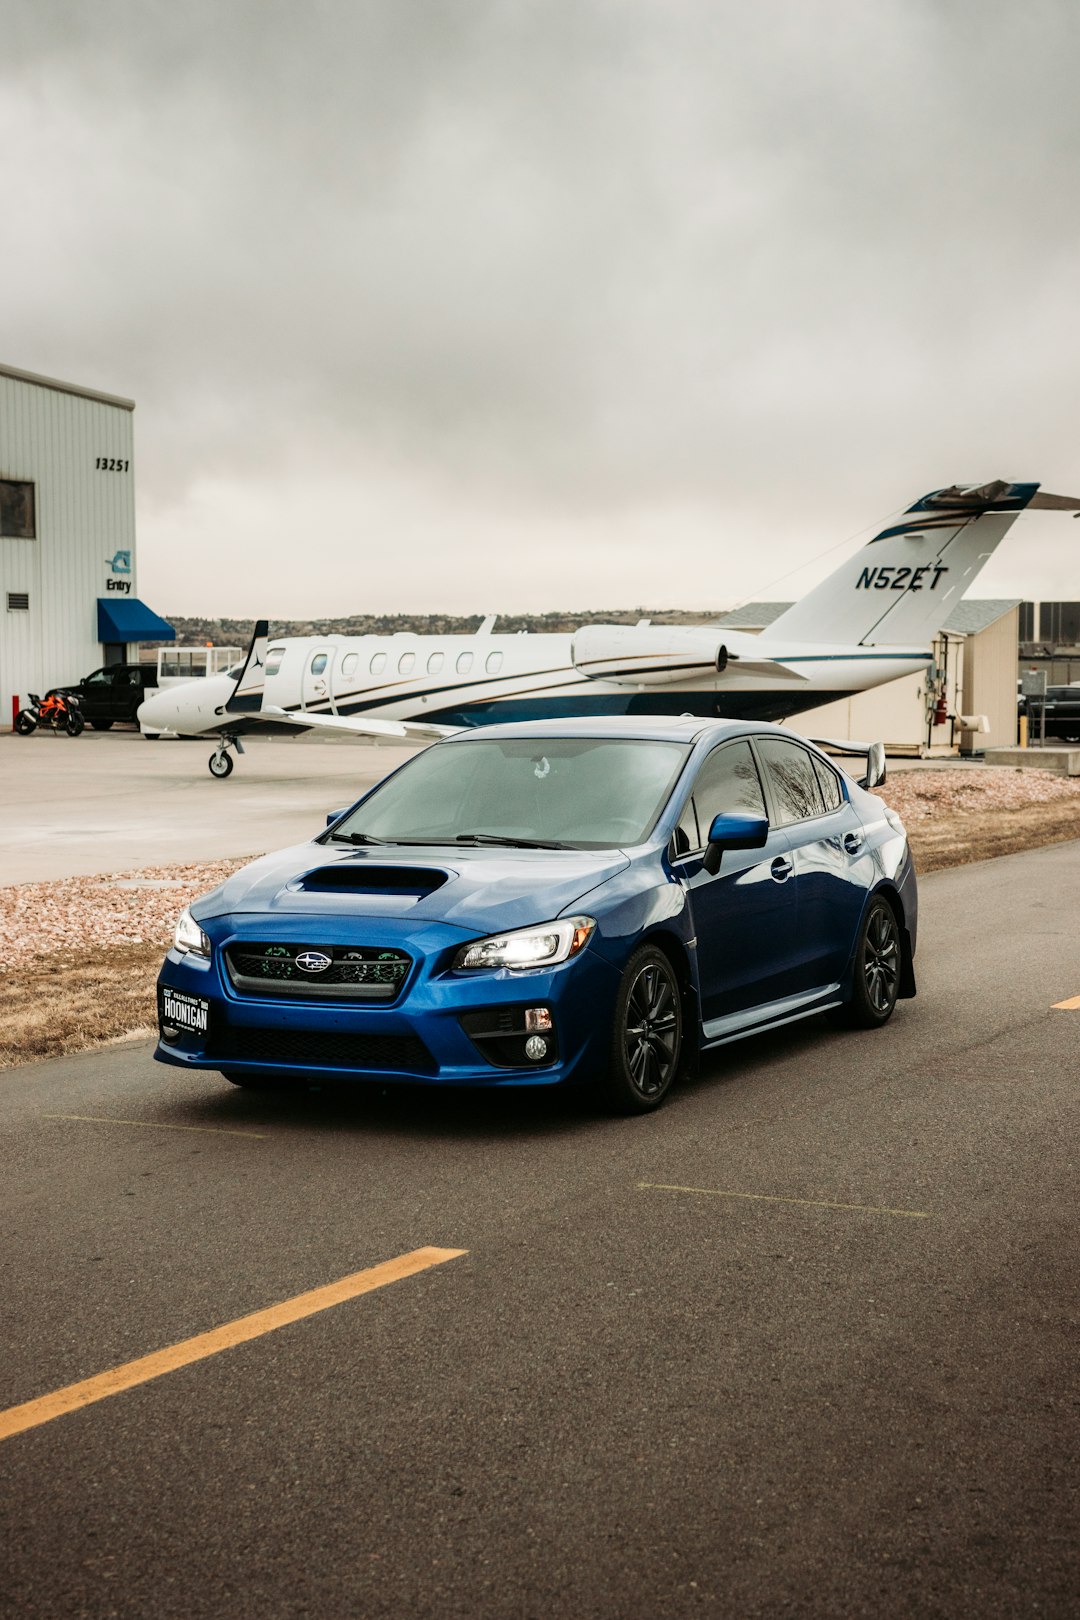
(356, 838)
(507, 842)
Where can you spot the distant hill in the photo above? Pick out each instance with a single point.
(196, 632)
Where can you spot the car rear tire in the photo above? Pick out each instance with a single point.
(876, 973)
(101, 725)
(646, 1035)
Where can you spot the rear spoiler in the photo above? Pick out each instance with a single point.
(873, 753)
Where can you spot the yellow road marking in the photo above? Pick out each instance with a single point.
(765, 1198)
(32, 1413)
(156, 1125)
(1072, 1005)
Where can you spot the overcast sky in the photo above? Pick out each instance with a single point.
(482, 304)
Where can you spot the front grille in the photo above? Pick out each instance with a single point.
(354, 973)
(325, 1049)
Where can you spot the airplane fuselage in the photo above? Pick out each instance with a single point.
(459, 680)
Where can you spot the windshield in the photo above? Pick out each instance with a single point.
(591, 792)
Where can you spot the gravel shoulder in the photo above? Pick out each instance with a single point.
(63, 990)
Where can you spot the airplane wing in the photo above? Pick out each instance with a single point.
(354, 725)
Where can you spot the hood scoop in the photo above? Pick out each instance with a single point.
(367, 878)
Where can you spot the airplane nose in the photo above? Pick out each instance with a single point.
(154, 712)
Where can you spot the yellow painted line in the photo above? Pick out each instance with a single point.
(33, 1413)
(765, 1198)
(156, 1125)
(1072, 1005)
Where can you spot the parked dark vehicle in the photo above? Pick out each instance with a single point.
(56, 711)
(113, 694)
(1062, 713)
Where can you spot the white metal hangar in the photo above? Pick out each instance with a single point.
(68, 578)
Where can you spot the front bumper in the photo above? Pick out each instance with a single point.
(419, 1038)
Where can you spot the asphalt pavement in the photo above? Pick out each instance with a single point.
(804, 1343)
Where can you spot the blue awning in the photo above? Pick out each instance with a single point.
(130, 620)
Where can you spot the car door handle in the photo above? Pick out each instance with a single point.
(853, 842)
(782, 868)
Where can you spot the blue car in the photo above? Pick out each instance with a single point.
(550, 903)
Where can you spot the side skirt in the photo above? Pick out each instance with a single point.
(735, 1026)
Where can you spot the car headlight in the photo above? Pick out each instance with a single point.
(542, 946)
(188, 937)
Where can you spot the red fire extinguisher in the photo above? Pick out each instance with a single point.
(941, 712)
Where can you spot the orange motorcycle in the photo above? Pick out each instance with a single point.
(59, 711)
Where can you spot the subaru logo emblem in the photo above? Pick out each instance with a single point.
(313, 961)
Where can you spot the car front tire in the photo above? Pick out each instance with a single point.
(646, 1035)
(101, 725)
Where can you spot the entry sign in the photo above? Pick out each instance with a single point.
(1033, 683)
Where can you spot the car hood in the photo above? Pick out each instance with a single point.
(480, 891)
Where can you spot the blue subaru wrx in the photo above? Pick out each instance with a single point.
(587, 900)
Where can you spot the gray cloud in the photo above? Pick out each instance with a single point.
(588, 301)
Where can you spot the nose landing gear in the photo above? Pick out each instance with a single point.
(220, 763)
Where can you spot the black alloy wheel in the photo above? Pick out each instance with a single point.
(101, 725)
(646, 1036)
(878, 960)
(25, 724)
(75, 725)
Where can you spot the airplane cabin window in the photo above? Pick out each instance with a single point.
(493, 663)
(435, 663)
(319, 663)
(349, 663)
(406, 662)
(272, 662)
(378, 663)
(464, 663)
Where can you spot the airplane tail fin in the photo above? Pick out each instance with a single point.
(248, 691)
(902, 586)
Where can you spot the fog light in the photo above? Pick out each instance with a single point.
(537, 1018)
(536, 1048)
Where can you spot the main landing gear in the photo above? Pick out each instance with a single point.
(220, 763)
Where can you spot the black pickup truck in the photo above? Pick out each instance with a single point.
(1062, 713)
(114, 693)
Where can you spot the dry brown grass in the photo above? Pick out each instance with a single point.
(977, 835)
(69, 999)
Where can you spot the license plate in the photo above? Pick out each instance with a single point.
(180, 1012)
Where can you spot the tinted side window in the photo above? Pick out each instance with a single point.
(792, 779)
(686, 833)
(728, 783)
(829, 783)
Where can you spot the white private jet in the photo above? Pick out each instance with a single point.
(869, 622)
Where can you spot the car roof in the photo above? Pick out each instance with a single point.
(688, 728)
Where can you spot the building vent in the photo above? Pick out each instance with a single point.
(18, 601)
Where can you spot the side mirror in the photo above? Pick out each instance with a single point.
(335, 815)
(733, 832)
(875, 767)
